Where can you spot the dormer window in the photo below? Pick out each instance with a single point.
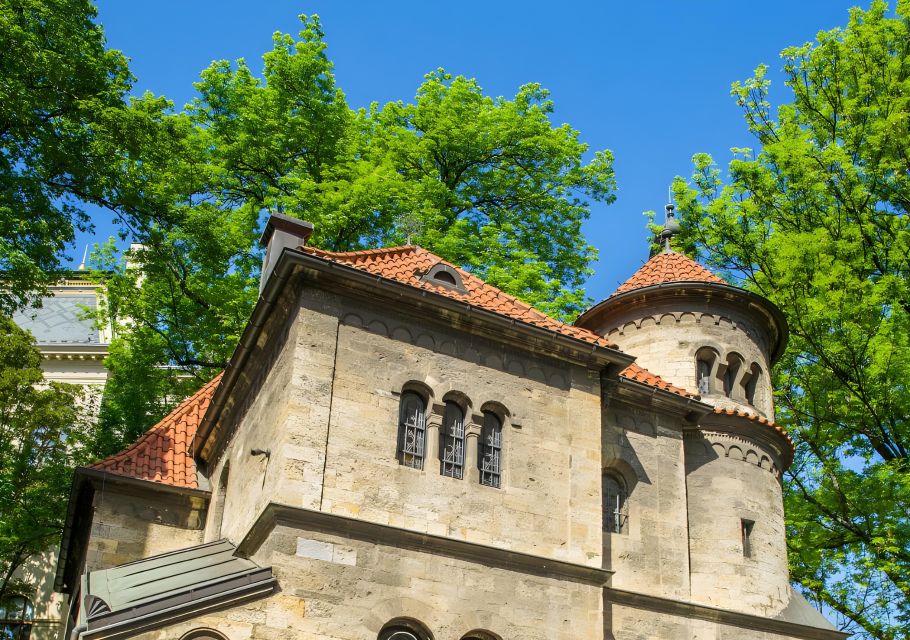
(444, 276)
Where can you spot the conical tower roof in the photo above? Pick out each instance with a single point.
(668, 266)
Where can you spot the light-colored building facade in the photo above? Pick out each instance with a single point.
(399, 451)
(72, 350)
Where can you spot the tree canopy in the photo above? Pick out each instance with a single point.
(817, 221)
(487, 183)
(61, 110)
(41, 441)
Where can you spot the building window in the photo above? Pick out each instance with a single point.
(615, 518)
(746, 526)
(750, 383)
(412, 430)
(489, 453)
(705, 364)
(451, 441)
(404, 629)
(16, 614)
(731, 373)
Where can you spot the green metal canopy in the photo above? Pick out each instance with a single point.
(160, 590)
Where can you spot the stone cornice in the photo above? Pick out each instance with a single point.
(720, 616)
(276, 514)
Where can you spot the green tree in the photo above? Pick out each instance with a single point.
(487, 183)
(60, 90)
(817, 221)
(41, 441)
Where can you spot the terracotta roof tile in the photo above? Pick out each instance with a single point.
(162, 453)
(640, 374)
(760, 420)
(668, 267)
(408, 264)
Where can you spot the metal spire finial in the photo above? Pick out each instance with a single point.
(671, 224)
(84, 256)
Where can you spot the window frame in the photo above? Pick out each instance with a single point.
(489, 450)
(413, 455)
(452, 441)
(615, 518)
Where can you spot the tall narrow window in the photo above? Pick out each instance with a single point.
(489, 453)
(451, 442)
(411, 430)
(734, 364)
(751, 383)
(614, 504)
(705, 363)
(747, 537)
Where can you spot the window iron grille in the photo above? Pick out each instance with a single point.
(451, 448)
(490, 451)
(412, 430)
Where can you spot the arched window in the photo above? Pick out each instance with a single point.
(203, 634)
(614, 493)
(16, 614)
(489, 451)
(705, 365)
(750, 383)
(731, 373)
(411, 430)
(479, 634)
(404, 629)
(451, 441)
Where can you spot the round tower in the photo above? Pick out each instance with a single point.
(696, 331)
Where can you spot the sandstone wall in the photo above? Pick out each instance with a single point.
(730, 480)
(335, 588)
(549, 500)
(129, 525)
(651, 555)
(665, 341)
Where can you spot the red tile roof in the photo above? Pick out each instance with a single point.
(642, 375)
(668, 266)
(760, 420)
(163, 453)
(408, 264)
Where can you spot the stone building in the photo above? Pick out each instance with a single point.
(73, 350)
(399, 451)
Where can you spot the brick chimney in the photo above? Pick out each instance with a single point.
(281, 232)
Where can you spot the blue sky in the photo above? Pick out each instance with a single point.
(648, 80)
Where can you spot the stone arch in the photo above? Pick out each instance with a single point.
(669, 317)
(404, 629)
(401, 610)
(707, 362)
(352, 320)
(752, 457)
(378, 326)
(203, 633)
(735, 452)
(426, 341)
(403, 334)
(461, 399)
(480, 634)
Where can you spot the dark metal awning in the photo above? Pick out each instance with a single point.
(157, 591)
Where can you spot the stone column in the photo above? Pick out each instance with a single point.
(472, 437)
(431, 446)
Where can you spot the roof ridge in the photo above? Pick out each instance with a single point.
(405, 248)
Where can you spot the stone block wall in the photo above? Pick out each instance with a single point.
(665, 341)
(130, 524)
(645, 449)
(336, 588)
(728, 482)
(549, 500)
